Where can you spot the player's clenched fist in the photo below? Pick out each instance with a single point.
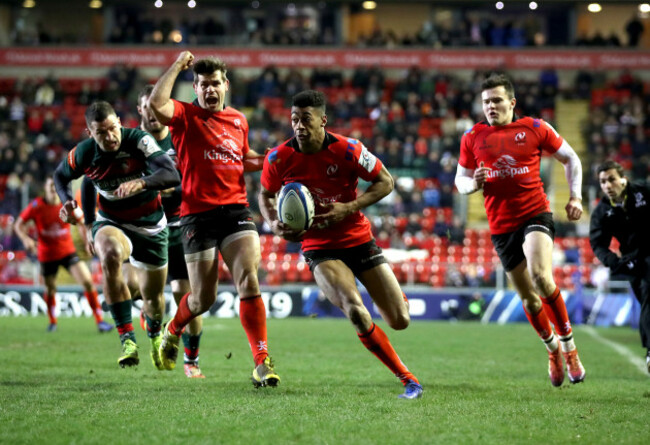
(185, 60)
(480, 175)
(69, 212)
(574, 209)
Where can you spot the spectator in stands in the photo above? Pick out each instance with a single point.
(583, 83)
(446, 195)
(454, 277)
(634, 29)
(441, 227)
(456, 231)
(45, 93)
(413, 225)
(571, 251)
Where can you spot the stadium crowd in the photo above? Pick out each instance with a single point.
(413, 124)
(293, 25)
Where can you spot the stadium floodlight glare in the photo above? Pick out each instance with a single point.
(499, 5)
(29, 4)
(158, 3)
(369, 5)
(594, 7)
(532, 5)
(644, 8)
(176, 36)
(191, 4)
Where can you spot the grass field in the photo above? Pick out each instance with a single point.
(483, 384)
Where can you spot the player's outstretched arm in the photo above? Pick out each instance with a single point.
(88, 200)
(573, 172)
(160, 99)
(88, 205)
(21, 231)
(62, 182)
(253, 161)
(164, 176)
(381, 186)
(69, 213)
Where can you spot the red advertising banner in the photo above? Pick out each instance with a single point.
(333, 58)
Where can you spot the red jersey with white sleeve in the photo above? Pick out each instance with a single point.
(331, 175)
(54, 238)
(514, 190)
(211, 149)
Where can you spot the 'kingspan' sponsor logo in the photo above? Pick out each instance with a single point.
(506, 167)
(224, 152)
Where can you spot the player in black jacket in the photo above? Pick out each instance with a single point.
(624, 213)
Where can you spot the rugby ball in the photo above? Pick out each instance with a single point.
(295, 206)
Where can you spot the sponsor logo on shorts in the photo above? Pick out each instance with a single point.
(371, 258)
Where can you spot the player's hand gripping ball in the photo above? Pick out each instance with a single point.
(295, 206)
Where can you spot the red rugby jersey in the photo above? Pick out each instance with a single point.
(331, 175)
(211, 149)
(54, 238)
(514, 190)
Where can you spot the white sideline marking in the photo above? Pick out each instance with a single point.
(492, 306)
(623, 313)
(600, 299)
(631, 357)
(505, 315)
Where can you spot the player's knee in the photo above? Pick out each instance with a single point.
(111, 259)
(400, 322)
(201, 301)
(532, 304)
(247, 281)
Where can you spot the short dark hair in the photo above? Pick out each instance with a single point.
(310, 98)
(98, 112)
(609, 165)
(499, 80)
(145, 92)
(208, 66)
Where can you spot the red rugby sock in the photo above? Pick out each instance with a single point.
(50, 301)
(252, 315)
(182, 317)
(93, 302)
(556, 311)
(541, 323)
(376, 341)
